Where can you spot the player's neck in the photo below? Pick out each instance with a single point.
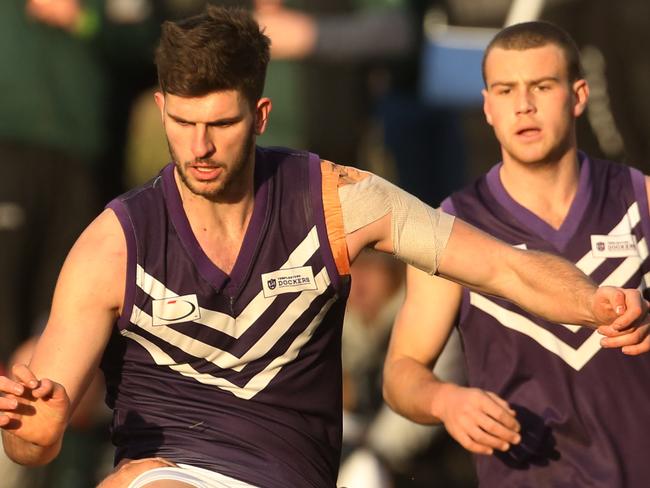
(220, 226)
(546, 189)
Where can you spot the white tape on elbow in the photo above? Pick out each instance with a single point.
(419, 232)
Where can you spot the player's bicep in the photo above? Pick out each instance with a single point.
(86, 303)
(426, 318)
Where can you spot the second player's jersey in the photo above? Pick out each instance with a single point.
(584, 410)
(235, 373)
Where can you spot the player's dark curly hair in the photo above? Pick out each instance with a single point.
(529, 35)
(220, 49)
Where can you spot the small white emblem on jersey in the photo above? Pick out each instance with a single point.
(288, 281)
(521, 246)
(175, 310)
(606, 246)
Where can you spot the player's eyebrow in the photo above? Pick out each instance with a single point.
(221, 121)
(533, 82)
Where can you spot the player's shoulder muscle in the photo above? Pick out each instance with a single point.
(96, 264)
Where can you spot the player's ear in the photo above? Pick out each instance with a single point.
(580, 91)
(486, 106)
(262, 111)
(159, 98)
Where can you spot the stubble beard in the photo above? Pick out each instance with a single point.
(231, 177)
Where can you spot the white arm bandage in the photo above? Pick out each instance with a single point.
(419, 232)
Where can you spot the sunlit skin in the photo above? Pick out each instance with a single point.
(211, 141)
(532, 105)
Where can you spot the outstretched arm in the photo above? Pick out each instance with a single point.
(541, 283)
(39, 399)
(378, 214)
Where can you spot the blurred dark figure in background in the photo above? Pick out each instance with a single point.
(358, 78)
(608, 34)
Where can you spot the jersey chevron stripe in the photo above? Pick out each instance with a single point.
(576, 358)
(186, 343)
(223, 322)
(623, 273)
(257, 383)
(588, 263)
(224, 359)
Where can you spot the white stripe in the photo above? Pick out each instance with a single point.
(186, 343)
(151, 286)
(222, 358)
(588, 263)
(257, 383)
(576, 358)
(224, 322)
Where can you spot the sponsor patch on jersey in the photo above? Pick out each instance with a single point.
(288, 281)
(175, 310)
(608, 246)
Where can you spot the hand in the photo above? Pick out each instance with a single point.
(620, 308)
(479, 420)
(33, 410)
(632, 341)
(57, 13)
(292, 33)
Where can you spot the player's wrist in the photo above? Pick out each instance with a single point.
(439, 394)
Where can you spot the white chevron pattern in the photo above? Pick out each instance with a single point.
(576, 358)
(234, 327)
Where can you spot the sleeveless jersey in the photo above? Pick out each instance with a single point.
(239, 373)
(584, 410)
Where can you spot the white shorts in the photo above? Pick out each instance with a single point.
(201, 478)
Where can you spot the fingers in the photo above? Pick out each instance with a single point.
(9, 386)
(482, 422)
(24, 375)
(633, 308)
(25, 383)
(632, 341)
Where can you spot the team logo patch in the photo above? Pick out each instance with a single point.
(175, 310)
(288, 281)
(609, 246)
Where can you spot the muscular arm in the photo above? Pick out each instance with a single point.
(87, 300)
(543, 284)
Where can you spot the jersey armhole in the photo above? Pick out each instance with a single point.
(124, 219)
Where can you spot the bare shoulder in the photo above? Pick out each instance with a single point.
(103, 235)
(96, 265)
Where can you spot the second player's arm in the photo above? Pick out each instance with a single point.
(480, 421)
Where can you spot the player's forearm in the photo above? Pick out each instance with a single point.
(27, 453)
(409, 389)
(552, 287)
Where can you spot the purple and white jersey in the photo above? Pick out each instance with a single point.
(584, 410)
(239, 373)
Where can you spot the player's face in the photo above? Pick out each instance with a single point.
(531, 104)
(211, 140)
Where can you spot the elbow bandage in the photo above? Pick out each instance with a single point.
(419, 233)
